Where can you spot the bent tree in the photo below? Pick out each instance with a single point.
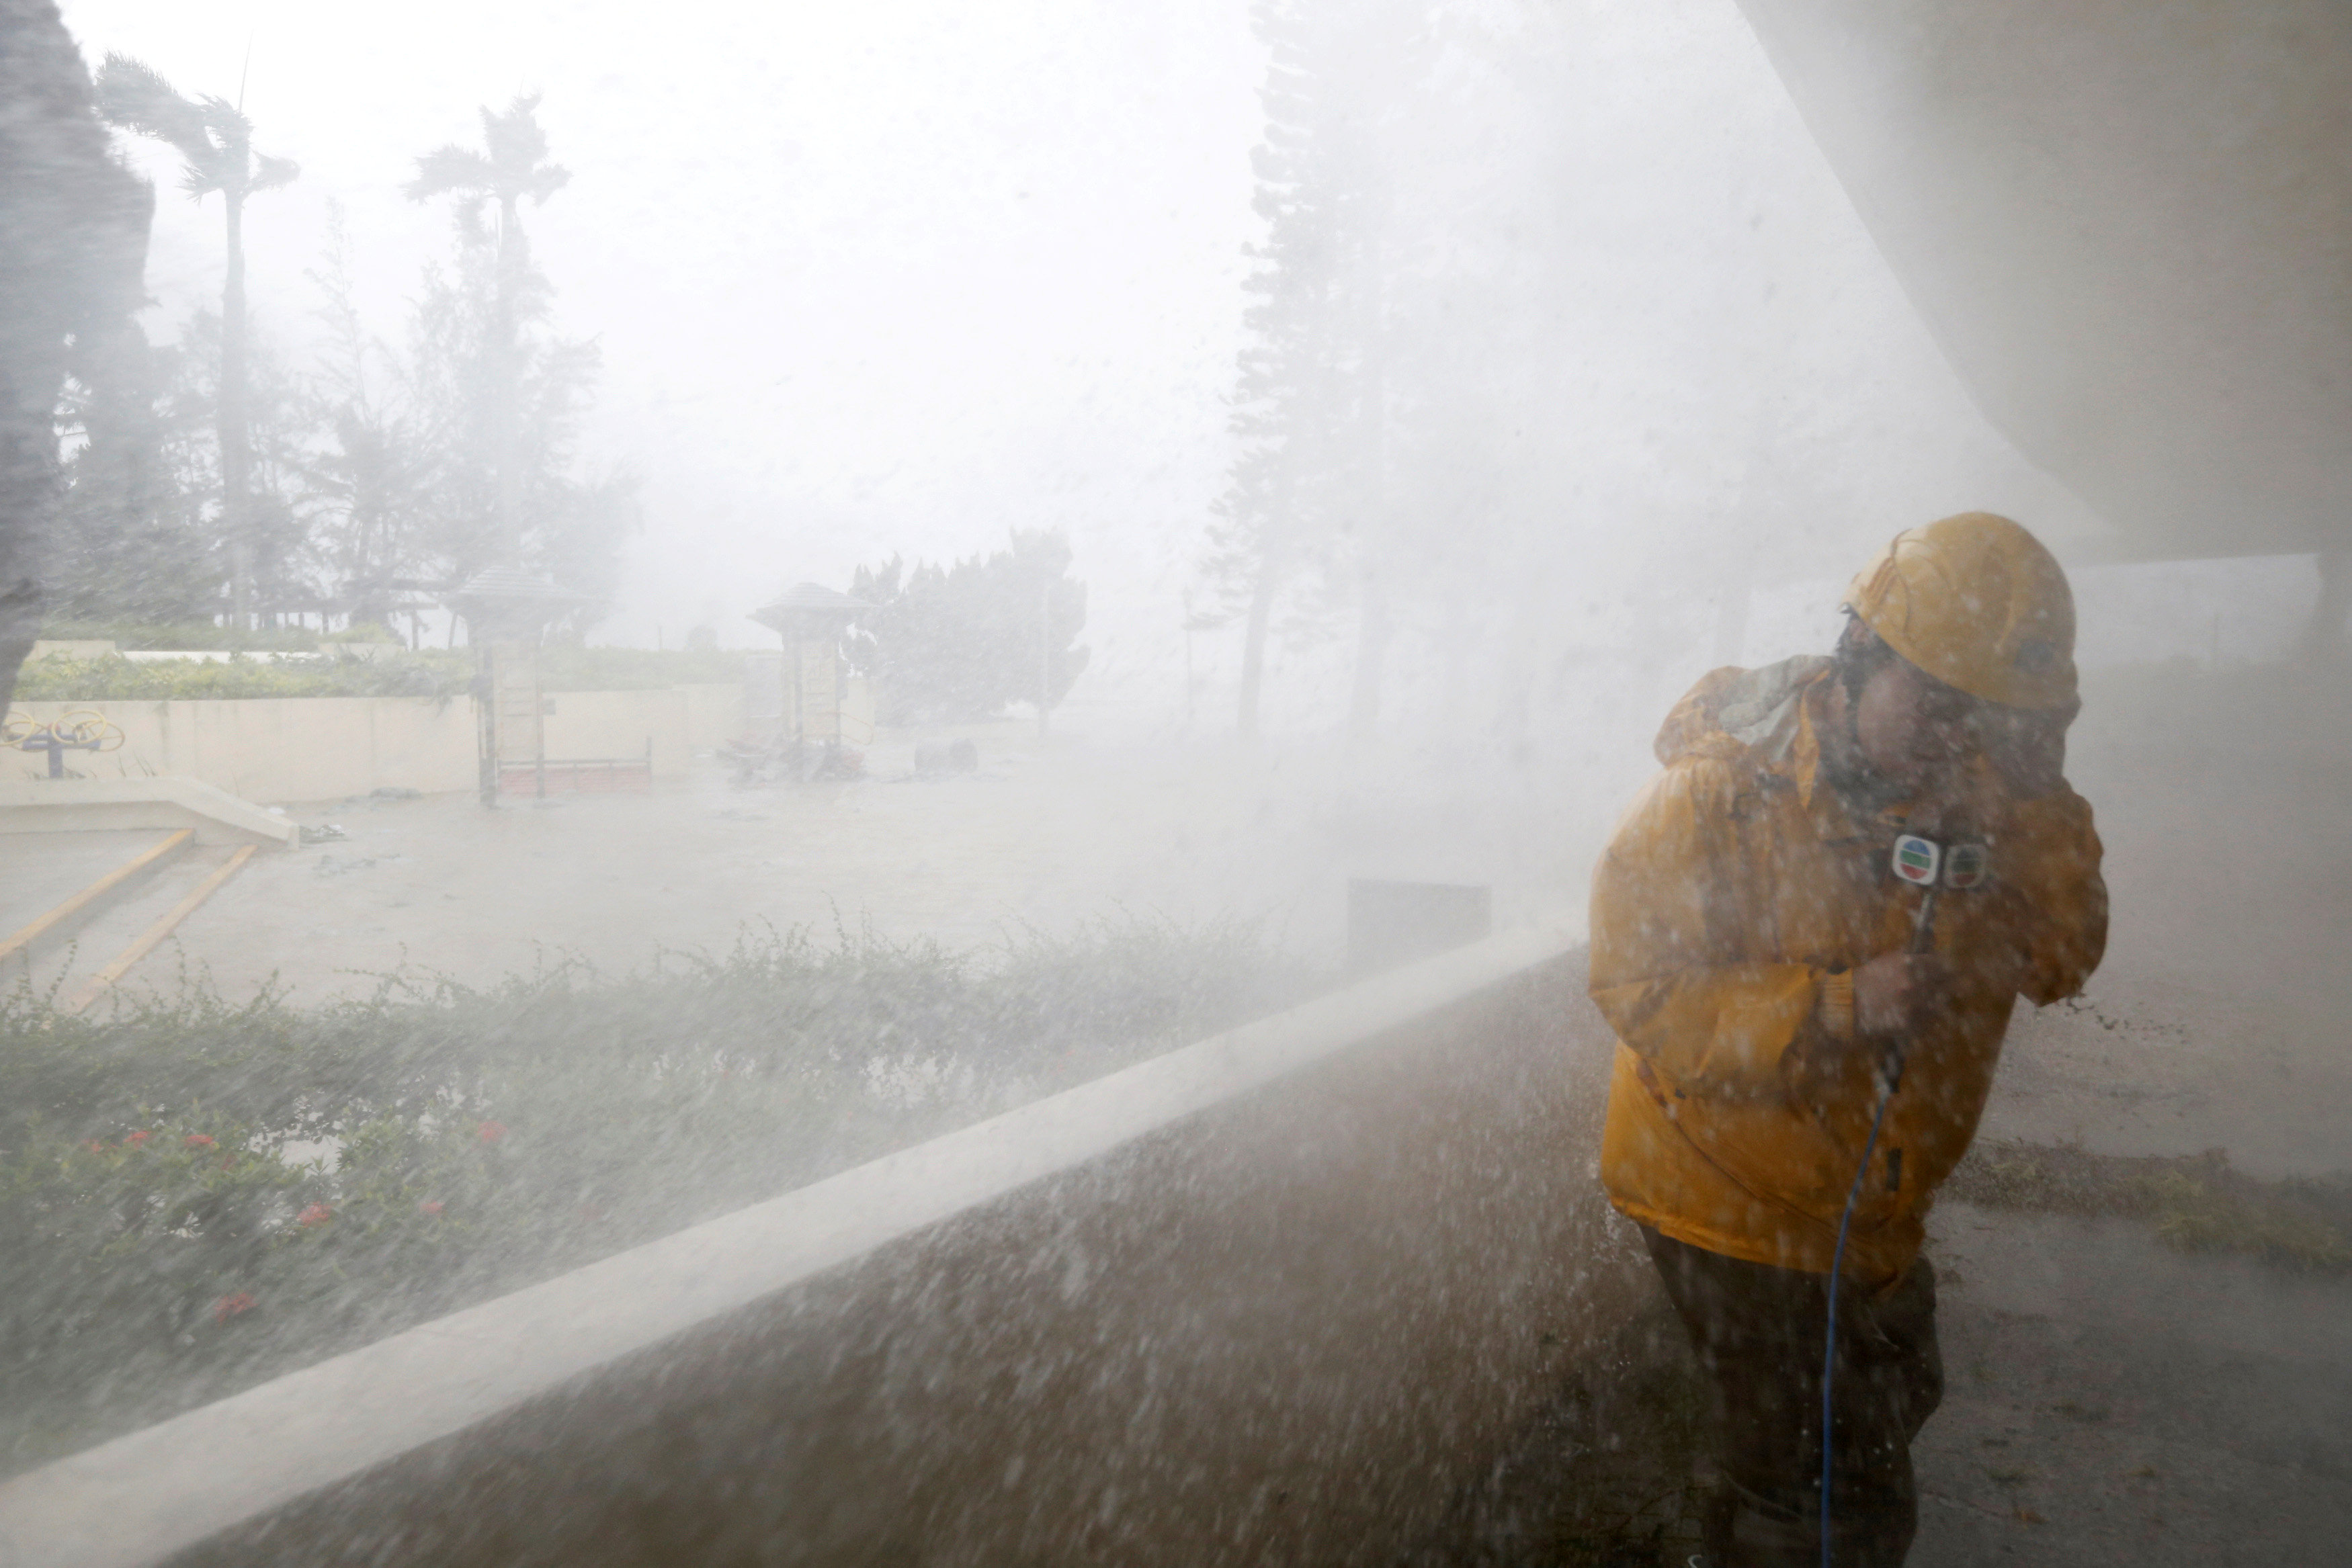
(215, 141)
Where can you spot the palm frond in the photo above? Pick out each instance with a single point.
(515, 141)
(269, 173)
(544, 182)
(201, 177)
(517, 150)
(134, 95)
(227, 121)
(448, 169)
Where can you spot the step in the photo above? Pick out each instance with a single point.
(55, 884)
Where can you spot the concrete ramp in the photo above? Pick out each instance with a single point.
(80, 805)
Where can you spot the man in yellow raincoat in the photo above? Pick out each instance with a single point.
(1749, 948)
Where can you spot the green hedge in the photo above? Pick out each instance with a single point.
(433, 674)
(197, 1195)
(187, 634)
(436, 676)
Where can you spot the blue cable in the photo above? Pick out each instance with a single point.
(1922, 940)
(1837, 1266)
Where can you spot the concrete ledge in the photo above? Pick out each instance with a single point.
(71, 805)
(1274, 1296)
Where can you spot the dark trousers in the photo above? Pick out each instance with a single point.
(1759, 1332)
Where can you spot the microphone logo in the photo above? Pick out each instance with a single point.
(1918, 860)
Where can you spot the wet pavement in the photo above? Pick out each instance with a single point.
(1046, 834)
(2112, 1401)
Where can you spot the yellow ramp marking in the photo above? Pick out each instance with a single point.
(157, 932)
(23, 941)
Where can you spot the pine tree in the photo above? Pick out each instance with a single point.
(1300, 515)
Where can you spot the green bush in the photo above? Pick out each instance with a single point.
(189, 634)
(432, 675)
(197, 1195)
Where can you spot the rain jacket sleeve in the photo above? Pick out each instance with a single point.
(2051, 868)
(1669, 912)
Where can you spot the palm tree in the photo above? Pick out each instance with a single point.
(514, 166)
(215, 140)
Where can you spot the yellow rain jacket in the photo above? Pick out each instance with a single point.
(1735, 899)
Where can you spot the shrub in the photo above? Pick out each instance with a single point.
(188, 634)
(431, 675)
(197, 1195)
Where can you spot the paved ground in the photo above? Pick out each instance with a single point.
(43, 870)
(2114, 1402)
(2111, 1402)
(1045, 835)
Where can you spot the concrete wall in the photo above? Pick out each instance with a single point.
(1277, 1297)
(2127, 225)
(679, 721)
(714, 714)
(321, 748)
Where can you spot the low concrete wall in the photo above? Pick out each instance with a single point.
(679, 721)
(321, 748)
(1276, 1297)
(714, 714)
(280, 748)
(78, 805)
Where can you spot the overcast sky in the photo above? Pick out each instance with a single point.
(889, 275)
(897, 275)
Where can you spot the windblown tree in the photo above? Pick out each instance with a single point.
(496, 413)
(215, 141)
(369, 483)
(1266, 532)
(1303, 512)
(133, 545)
(73, 245)
(962, 641)
(140, 541)
(511, 168)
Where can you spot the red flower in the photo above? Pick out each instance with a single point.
(317, 1214)
(138, 1138)
(228, 1307)
(490, 1132)
(430, 1205)
(197, 1141)
(95, 1147)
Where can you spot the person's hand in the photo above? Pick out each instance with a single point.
(2028, 746)
(1895, 993)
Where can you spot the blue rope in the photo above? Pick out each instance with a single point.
(1837, 1266)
